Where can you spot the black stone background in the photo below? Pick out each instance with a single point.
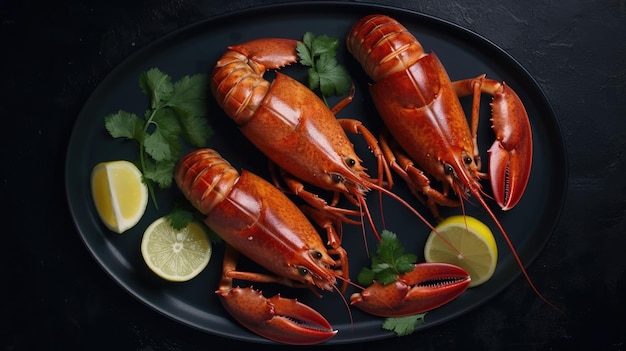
(55, 296)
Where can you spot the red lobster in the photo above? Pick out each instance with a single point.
(293, 127)
(425, 122)
(256, 219)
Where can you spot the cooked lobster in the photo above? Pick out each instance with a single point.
(426, 125)
(256, 219)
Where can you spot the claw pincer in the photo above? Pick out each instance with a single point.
(426, 287)
(276, 318)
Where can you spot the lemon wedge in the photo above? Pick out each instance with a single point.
(466, 242)
(119, 194)
(175, 255)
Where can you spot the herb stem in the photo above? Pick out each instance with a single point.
(142, 160)
(175, 111)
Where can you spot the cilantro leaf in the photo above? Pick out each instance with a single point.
(389, 261)
(124, 125)
(195, 130)
(188, 95)
(334, 79)
(157, 146)
(324, 73)
(159, 173)
(157, 85)
(179, 218)
(183, 214)
(314, 79)
(324, 44)
(404, 325)
(302, 48)
(176, 113)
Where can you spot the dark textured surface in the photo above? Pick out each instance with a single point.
(57, 297)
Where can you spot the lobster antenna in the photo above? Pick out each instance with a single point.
(343, 298)
(362, 204)
(515, 255)
(416, 213)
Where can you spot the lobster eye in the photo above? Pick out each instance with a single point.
(447, 169)
(467, 160)
(303, 271)
(350, 162)
(317, 255)
(336, 178)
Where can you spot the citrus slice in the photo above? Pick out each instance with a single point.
(466, 242)
(175, 255)
(119, 194)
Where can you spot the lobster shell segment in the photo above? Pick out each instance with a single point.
(205, 179)
(383, 46)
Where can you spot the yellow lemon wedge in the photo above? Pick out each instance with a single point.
(119, 194)
(466, 242)
(175, 255)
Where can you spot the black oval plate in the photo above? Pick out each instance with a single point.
(195, 49)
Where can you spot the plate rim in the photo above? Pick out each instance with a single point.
(355, 8)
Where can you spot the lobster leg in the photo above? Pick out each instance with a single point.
(426, 287)
(276, 318)
(332, 225)
(510, 156)
(418, 182)
(297, 187)
(356, 127)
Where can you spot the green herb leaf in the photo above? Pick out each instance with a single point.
(189, 95)
(159, 173)
(404, 325)
(196, 130)
(179, 218)
(124, 125)
(157, 85)
(306, 59)
(176, 112)
(314, 79)
(319, 53)
(184, 213)
(389, 261)
(334, 79)
(157, 146)
(324, 44)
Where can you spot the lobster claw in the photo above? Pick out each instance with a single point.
(510, 156)
(426, 287)
(276, 318)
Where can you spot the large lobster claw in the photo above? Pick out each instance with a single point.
(426, 287)
(276, 318)
(510, 156)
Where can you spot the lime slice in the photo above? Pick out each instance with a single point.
(175, 255)
(119, 194)
(466, 242)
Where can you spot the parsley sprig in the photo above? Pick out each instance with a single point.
(390, 261)
(325, 73)
(404, 325)
(176, 112)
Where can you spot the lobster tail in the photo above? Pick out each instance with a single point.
(238, 84)
(237, 88)
(205, 178)
(383, 46)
